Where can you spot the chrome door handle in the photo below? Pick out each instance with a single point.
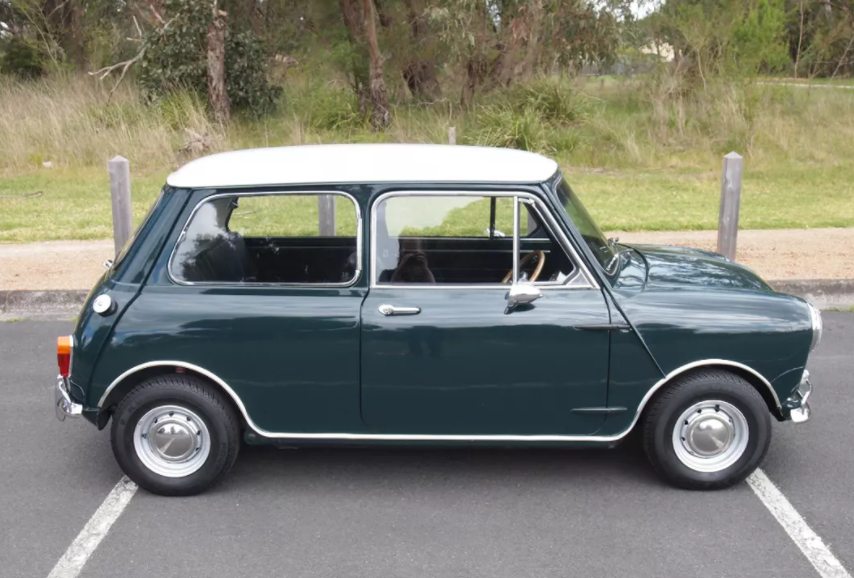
(387, 309)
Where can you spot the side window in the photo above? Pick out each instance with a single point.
(273, 238)
(448, 216)
(460, 240)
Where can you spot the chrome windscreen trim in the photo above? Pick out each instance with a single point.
(356, 274)
(433, 437)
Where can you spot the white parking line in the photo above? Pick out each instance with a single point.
(801, 534)
(72, 562)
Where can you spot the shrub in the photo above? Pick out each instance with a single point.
(534, 116)
(245, 75)
(502, 126)
(330, 109)
(175, 60)
(552, 100)
(22, 59)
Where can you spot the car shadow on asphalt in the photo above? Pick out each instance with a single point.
(261, 468)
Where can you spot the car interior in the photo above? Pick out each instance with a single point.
(210, 252)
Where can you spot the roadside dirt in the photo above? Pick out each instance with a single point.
(774, 254)
(53, 264)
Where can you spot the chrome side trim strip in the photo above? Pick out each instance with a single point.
(356, 274)
(435, 437)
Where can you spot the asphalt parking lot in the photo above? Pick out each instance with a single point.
(401, 513)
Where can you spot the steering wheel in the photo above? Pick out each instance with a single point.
(541, 261)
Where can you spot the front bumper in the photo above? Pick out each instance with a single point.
(797, 406)
(63, 403)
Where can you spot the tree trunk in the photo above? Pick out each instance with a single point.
(217, 93)
(800, 37)
(379, 96)
(353, 21)
(419, 72)
(475, 71)
(532, 48)
(63, 18)
(253, 12)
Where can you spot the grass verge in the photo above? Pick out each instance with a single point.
(75, 203)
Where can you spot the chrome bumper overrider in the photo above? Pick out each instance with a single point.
(62, 401)
(798, 404)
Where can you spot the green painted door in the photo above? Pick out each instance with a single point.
(440, 351)
(464, 366)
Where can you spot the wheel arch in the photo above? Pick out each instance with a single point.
(125, 382)
(750, 375)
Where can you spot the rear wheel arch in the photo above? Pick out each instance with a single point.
(127, 381)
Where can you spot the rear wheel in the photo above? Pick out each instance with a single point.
(175, 435)
(708, 430)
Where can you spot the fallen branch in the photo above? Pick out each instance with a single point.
(23, 195)
(125, 65)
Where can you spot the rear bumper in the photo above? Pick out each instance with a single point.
(63, 404)
(797, 407)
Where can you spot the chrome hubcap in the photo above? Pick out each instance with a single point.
(710, 436)
(172, 441)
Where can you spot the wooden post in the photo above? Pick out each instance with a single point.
(730, 201)
(326, 214)
(452, 135)
(119, 168)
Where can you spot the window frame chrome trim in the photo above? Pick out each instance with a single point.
(514, 274)
(549, 223)
(357, 274)
(437, 437)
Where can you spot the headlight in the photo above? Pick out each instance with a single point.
(817, 326)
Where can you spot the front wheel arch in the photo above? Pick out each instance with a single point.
(751, 376)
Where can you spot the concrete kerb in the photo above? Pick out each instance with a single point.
(40, 304)
(823, 293)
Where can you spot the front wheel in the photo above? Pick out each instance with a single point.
(708, 430)
(175, 435)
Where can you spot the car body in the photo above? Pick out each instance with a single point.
(421, 294)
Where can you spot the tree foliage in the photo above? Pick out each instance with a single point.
(425, 50)
(175, 58)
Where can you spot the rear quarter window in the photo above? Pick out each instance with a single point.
(294, 238)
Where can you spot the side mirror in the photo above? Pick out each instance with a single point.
(522, 293)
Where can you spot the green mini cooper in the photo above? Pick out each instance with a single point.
(421, 294)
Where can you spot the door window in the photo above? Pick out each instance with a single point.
(273, 238)
(462, 239)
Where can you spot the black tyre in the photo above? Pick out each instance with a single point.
(175, 435)
(708, 430)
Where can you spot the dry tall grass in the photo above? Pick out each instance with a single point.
(67, 121)
(649, 122)
(657, 121)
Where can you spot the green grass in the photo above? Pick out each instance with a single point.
(289, 216)
(74, 204)
(800, 198)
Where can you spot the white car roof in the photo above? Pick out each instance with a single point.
(363, 163)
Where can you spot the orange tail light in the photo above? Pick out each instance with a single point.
(63, 354)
